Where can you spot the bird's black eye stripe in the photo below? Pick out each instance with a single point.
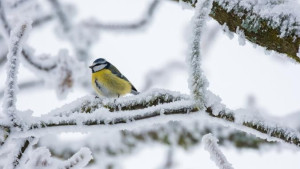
(97, 64)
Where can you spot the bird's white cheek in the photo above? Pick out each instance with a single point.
(99, 67)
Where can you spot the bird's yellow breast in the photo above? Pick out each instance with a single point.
(110, 83)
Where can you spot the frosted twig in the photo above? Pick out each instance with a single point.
(154, 76)
(169, 162)
(4, 22)
(17, 38)
(17, 154)
(26, 85)
(126, 141)
(75, 34)
(63, 19)
(78, 160)
(197, 81)
(41, 20)
(3, 58)
(130, 26)
(210, 144)
(37, 64)
(18, 3)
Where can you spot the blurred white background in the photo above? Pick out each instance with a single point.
(235, 73)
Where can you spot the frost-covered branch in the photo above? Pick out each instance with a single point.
(162, 74)
(169, 161)
(130, 26)
(29, 58)
(3, 53)
(17, 37)
(4, 22)
(197, 81)
(63, 19)
(273, 24)
(87, 114)
(41, 158)
(117, 143)
(81, 38)
(18, 3)
(78, 160)
(147, 99)
(210, 144)
(26, 85)
(42, 20)
(16, 155)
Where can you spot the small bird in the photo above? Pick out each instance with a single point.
(108, 81)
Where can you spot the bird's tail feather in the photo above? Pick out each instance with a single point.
(135, 92)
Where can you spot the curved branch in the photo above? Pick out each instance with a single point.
(42, 20)
(278, 31)
(117, 26)
(26, 54)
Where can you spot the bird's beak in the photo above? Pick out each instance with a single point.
(91, 66)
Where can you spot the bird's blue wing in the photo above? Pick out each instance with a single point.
(116, 72)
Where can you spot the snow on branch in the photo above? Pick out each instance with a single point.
(89, 104)
(197, 82)
(16, 156)
(41, 158)
(186, 135)
(26, 85)
(80, 37)
(41, 20)
(17, 38)
(273, 24)
(78, 160)
(154, 76)
(35, 63)
(64, 20)
(127, 112)
(210, 144)
(130, 26)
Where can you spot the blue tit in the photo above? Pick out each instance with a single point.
(108, 81)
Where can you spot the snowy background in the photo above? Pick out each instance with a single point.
(240, 75)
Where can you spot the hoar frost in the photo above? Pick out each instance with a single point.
(197, 81)
(210, 144)
(278, 13)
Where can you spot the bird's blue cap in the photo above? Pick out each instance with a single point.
(98, 61)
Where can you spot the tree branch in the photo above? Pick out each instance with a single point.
(102, 116)
(37, 64)
(17, 154)
(42, 20)
(211, 145)
(197, 81)
(130, 26)
(26, 85)
(277, 30)
(17, 37)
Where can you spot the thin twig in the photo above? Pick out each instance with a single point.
(42, 20)
(65, 22)
(210, 144)
(27, 55)
(130, 26)
(17, 38)
(26, 85)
